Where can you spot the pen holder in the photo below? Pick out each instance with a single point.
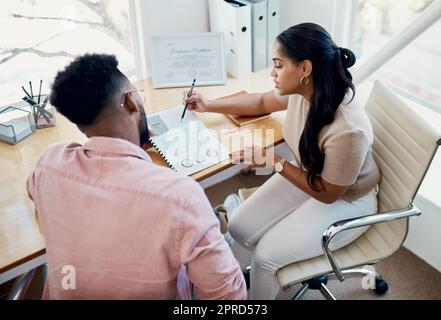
(15, 124)
(44, 113)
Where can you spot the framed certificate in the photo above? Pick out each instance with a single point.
(178, 59)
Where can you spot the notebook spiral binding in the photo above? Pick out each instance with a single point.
(162, 155)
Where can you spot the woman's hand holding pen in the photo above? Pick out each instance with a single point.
(196, 102)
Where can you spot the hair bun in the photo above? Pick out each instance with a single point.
(347, 57)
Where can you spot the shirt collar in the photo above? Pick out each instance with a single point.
(115, 146)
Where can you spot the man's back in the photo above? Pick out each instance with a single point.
(127, 228)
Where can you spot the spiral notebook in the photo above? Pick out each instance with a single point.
(187, 145)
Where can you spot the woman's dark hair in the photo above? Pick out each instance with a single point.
(331, 80)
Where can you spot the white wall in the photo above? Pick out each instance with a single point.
(175, 16)
(172, 16)
(333, 15)
(298, 11)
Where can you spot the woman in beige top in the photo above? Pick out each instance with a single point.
(333, 175)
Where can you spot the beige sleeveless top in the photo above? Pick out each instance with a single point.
(346, 144)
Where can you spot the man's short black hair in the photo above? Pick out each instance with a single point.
(86, 86)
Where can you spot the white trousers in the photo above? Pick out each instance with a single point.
(281, 224)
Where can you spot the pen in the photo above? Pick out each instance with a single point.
(29, 96)
(39, 92)
(188, 96)
(32, 92)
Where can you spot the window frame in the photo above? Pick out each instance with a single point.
(138, 43)
(349, 34)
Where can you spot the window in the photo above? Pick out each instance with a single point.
(415, 68)
(413, 72)
(39, 38)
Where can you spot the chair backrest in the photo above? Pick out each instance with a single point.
(404, 146)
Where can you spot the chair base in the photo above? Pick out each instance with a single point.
(315, 284)
(319, 283)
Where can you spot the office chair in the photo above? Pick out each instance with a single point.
(22, 283)
(404, 147)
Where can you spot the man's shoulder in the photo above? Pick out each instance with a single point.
(166, 185)
(56, 150)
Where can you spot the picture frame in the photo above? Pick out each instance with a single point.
(179, 58)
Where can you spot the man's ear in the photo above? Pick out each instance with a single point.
(307, 67)
(129, 102)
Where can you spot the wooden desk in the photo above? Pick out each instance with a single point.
(22, 247)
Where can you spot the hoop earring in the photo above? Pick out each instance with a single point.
(303, 82)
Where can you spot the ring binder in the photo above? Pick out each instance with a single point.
(179, 142)
(273, 27)
(233, 18)
(162, 155)
(259, 33)
(250, 28)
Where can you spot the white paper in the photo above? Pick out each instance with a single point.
(188, 146)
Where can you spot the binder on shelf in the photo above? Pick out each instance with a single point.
(273, 26)
(233, 18)
(259, 37)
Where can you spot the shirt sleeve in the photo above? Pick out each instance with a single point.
(211, 266)
(345, 154)
(30, 186)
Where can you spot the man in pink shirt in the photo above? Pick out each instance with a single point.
(117, 226)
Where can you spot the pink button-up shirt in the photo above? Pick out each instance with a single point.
(117, 226)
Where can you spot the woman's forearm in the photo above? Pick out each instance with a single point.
(298, 177)
(247, 104)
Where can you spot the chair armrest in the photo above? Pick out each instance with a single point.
(363, 221)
